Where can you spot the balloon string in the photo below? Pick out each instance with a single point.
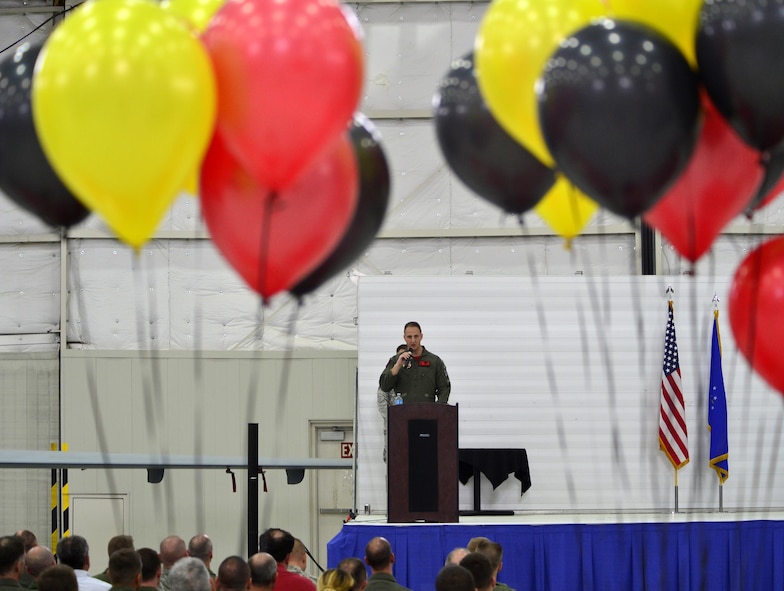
(286, 371)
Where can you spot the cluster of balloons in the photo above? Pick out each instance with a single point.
(130, 101)
(667, 110)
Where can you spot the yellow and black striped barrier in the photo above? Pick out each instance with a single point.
(66, 500)
(61, 499)
(55, 505)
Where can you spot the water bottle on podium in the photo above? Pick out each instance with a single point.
(398, 399)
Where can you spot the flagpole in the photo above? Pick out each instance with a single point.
(676, 490)
(721, 496)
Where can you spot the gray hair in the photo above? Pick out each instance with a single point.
(189, 574)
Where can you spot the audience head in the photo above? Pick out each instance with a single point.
(125, 568)
(172, 549)
(189, 574)
(28, 539)
(474, 542)
(11, 557)
(263, 570)
(356, 568)
(58, 578)
(73, 551)
(200, 546)
(454, 577)
(234, 574)
(118, 543)
(335, 579)
(299, 555)
(481, 569)
(151, 566)
(277, 542)
(378, 554)
(455, 556)
(490, 549)
(38, 558)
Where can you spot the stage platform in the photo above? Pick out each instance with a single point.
(592, 552)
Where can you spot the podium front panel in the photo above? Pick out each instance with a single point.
(422, 463)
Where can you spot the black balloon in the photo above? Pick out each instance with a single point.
(618, 108)
(25, 173)
(374, 186)
(479, 151)
(773, 163)
(740, 49)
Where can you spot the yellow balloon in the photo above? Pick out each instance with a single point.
(515, 39)
(124, 105)
(192, 183)
(198, 13)
(676, 19)
(566, 210)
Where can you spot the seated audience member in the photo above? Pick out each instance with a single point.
(58, 578)
(481, 569)
(73, 551)
(454, 577)
(495, 553)
(115, 543)
(30, 541)
(233, 574)
(189, 574)
(298, 561)
(279, 543)
(151, 569)
(380, 558)
(172, 549)
(125, 569)
(263, 571)
(335, 579)
(12, 563)
(358, 571)
(37, 559)
(200, 546)
(455, 556)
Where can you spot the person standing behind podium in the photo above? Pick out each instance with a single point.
(386, 398)
(417, 374)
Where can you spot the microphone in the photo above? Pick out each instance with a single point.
(409, 360)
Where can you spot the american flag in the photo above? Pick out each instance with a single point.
(673, 439)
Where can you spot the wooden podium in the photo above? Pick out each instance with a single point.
(422, 463)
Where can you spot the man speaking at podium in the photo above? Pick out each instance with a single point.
(417, 375)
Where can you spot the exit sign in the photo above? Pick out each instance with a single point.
(346, 449)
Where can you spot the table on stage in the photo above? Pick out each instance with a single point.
(496, 464)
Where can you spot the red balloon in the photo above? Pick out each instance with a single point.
(716, 186)
(274, 238)
(755, 308)
(289, 76)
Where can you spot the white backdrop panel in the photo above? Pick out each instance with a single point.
(570, 369)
